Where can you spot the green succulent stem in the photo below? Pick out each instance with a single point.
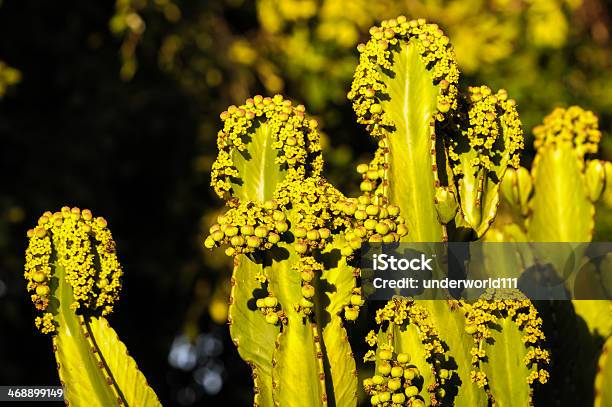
(291, 283)
(74, 276)
(441, 158)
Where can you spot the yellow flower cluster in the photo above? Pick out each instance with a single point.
(247, 227)
(368, 87)
(269, 307)
(294, 136)
(372, 218)
(309, 269)
(314, 206)
(45, 323)
(73, 243)
(37, 268)
(396, 381)
(541, 376)
(374, 175)
(371, 221)
(371, 338)
(351, 311)
(500, 304)
(478, 377)
(492, 129)
(572, 125)
(403, 311)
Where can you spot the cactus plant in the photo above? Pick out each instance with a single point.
(75, 277)
(555, 202)
(291, 278)
(444, 156)
(438, 166)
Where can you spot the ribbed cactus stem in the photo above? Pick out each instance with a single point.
(405, 82)
(440, 159)
(282, 223)
(75, 278)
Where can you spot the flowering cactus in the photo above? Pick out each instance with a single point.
(444, 156)
(436, 172)
(74, 276)
(562, 169)
(443, 159)
(292, 276)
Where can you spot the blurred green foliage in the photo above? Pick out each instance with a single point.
(549, 51)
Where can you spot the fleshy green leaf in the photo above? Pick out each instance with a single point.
(114, 354)
(334, 291)
(299, 377)
(298, 372)
(250, 332)
(561, 210)
(94, 365)
(84, 381)
(451, 323)
(259, 174)
(505, 367)
(411, 107)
